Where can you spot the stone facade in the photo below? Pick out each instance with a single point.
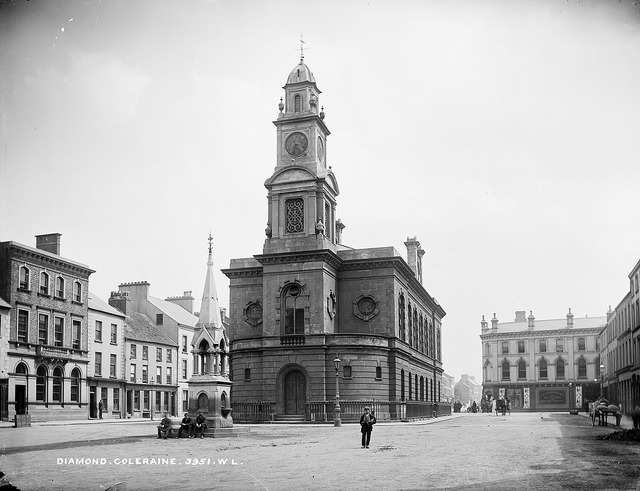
(308, 298)
(542, 365)
(107, 357)
(47, 354)
(621, 348)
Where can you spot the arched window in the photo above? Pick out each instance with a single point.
(44, 283)
(223, 400)
(415, 328)
(77, 292)
(24, 278)
(297, 103)
(560, 368)
(505, 370)
(75, 385)
(582, 368)
(543, 368)
(410, 326)
(41, 384)
(293, 310)
(22, 369)
(401, 314)
(59, 287)
(57, 385)
(522, 369)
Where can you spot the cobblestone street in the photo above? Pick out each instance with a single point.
(479, 451)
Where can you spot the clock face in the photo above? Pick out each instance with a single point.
(320, 150)
(296, 144)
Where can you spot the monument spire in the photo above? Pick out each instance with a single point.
(210, 308)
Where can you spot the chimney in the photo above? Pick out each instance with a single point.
(609, 313)
(484, 325)
(494, 323)
(531, 319)
(185, 301)
(339, 227)
(414, 256)
(138, 290)
(49, 243)
(520, 316)
(120, 301)
(569, 319)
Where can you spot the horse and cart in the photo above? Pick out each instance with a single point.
(600, 410)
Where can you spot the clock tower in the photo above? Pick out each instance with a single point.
(302, 189)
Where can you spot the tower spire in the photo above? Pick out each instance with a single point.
(210, 308)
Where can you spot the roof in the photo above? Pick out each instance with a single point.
(4, 304)
(553, 324)
(96, 303)
(138, 327)
(174, 311)
(50, 255)
(301, 73)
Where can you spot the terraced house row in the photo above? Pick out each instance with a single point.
(565, 363)
(67, 354)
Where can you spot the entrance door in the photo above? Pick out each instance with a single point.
(129, 402)
(21, 399)
(93, 407)
(294, 392)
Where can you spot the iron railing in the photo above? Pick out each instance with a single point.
(350, 410)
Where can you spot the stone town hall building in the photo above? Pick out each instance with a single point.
(308, 298)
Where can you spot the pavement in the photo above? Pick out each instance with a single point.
(461, 451)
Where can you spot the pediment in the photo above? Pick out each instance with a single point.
(291, 174)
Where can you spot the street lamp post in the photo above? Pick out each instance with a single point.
(336, 420)
(601, 380)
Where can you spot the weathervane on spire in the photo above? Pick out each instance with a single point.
(210, 242)
(302, 48)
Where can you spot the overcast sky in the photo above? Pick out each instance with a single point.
(504, 135)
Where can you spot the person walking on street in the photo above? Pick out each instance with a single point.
(367, 420)
(100, 406)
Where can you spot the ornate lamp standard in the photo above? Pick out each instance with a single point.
(336, 420)
(601, 380)
(570, 404)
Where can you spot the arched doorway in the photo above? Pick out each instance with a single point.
(294, 392)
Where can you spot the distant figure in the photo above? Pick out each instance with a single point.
(164, 426)
(367, 420)
(100, 406)
(474, 407)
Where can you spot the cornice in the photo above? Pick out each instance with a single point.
(533, 333)
(325, 255)
(315, 118)
(242, 272)
(16, 252)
